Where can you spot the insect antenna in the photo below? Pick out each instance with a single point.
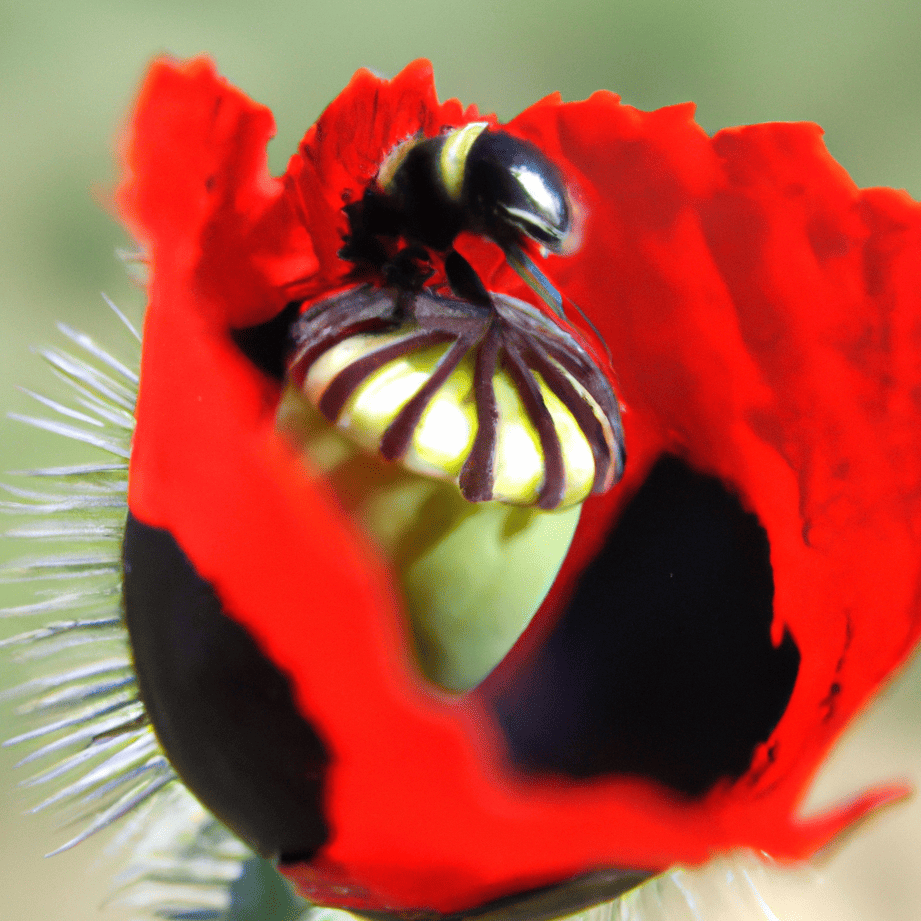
(534, 278)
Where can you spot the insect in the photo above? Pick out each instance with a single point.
(487, 182)
(541, 424)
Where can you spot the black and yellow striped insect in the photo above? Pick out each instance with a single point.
(470, 179)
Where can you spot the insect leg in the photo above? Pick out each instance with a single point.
(464, 281)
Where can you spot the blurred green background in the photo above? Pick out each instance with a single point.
(68, 73)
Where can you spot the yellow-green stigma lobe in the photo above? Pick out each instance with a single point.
(498, 401)
(443, 437)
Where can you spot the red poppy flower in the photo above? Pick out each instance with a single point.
(721, 613)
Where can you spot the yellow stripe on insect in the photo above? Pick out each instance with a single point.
(393, 161)
(454, 157)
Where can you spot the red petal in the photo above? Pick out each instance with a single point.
(198, 188)
(760, 312)
(342, 152)
(763, 318)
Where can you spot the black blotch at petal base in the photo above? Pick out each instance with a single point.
(267, 345)
(223, 712)
(662, 665)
